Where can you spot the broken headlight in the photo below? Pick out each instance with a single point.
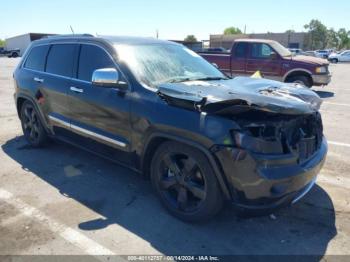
(258, 139)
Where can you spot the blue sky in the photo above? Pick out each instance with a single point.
(174, 19)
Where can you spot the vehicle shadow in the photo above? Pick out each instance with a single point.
(122, 197)
(325, 94)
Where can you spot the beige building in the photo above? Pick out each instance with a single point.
(292, 40)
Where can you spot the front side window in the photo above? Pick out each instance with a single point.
(36, 58)
(91, 58)
(154, 64)
(261, 51)
(60, 59)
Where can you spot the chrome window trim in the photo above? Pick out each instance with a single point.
(78, 42)
(87, 132)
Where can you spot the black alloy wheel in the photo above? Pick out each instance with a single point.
(33, 130)
(185, 182)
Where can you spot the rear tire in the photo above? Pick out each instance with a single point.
(33, 130)
(14, 55)
(185, 182)
(303, 80)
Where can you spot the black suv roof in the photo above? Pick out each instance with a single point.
(130, 40)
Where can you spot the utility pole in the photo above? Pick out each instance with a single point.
(157, 33)
(71, 28)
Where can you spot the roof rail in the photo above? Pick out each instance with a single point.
(69, 35)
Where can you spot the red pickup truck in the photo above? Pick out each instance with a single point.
(273, 60)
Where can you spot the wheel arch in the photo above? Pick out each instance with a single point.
(20, 99)
(298, 72)
(156, 139)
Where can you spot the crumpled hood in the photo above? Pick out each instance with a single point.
(309, 59)
(241, 94)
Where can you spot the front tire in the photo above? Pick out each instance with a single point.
(185, 182)
(33, 130)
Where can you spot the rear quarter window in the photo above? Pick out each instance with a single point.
(60, 59)
(37, 58)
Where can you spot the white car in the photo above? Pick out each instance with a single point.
(341, 57)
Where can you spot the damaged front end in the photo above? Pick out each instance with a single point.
(277, 147)
(266, 133)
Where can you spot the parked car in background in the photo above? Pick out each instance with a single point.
(296, 51)
(215, 49)
(323, 53)
(340, 57)
(164, 111)
(309, 53)
(273, 60)
(9, 53)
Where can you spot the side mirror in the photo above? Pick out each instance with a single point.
(273, 55)
(107, 77)
(214, 64)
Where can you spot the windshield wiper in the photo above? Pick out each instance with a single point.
(185, 79)
(179, 80)
(209, 78)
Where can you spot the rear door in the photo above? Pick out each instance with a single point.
(239, 58)
(56, 83)
(32, 72)
(100, 114)
(261, 58)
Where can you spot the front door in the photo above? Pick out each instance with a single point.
(264, 59)
(100, 114)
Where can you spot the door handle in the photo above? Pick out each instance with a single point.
(77, 90)
(39, 80)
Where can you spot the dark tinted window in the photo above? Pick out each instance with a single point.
(260, 50)
(240, 50)
(92, 58)
(60, 60)
(36, 58)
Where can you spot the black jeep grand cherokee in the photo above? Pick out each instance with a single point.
(160, 109)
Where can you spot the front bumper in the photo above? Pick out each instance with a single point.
(265, 182)
(323, 79)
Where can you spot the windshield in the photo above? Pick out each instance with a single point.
(154, 64)
(280, 49)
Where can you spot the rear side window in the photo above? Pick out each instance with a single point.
(92, 58)
(60, 60)
(36, 58)
(240, 50)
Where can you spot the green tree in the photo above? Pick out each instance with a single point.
(190, 38)
(2, 43)
(317, 37)
(232, 31)
(332, 38)
(344, 38)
